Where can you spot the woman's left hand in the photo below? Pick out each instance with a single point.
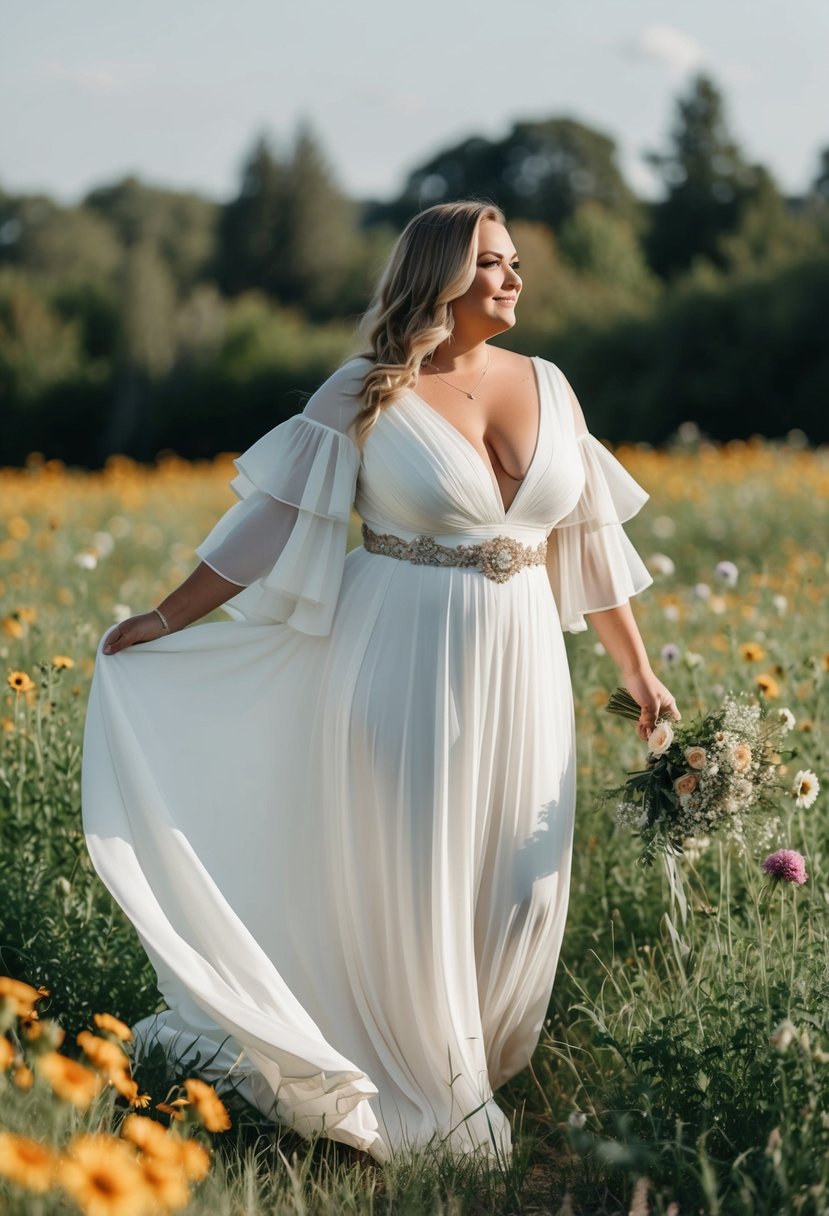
(654, 699)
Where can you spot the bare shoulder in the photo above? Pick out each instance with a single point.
(510, 363)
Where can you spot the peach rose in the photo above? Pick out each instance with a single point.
(686, 784)
(696, 757)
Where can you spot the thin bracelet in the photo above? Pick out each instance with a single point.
(163, 619)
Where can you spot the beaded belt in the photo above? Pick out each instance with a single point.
(498, 557)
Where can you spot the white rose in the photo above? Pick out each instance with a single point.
(660, 739)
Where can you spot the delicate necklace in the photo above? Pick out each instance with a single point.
(471, 395)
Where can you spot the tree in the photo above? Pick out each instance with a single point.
(180, 225)
(290, 232)
(709, 184)
(541, 171)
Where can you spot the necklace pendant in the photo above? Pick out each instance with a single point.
(471, 396)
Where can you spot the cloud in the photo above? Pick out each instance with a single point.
(678, 51)
(96, 80)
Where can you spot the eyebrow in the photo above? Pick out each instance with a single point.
(495, 253)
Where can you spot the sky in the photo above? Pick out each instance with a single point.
(177, 92)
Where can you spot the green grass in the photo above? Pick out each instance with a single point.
(656, 1080)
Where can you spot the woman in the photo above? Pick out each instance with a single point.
(342, 826)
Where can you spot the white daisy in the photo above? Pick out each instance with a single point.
(805, 788)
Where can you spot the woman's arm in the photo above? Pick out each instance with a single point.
(200, 593)
(621, 639)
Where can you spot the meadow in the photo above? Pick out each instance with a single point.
(684, 1064)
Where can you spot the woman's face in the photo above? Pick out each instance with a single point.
(488, 306)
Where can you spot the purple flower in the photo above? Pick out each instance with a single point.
(670, 652)
(786, 865)
(727, 573)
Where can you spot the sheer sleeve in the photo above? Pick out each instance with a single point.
(285, 540)
(591, 563)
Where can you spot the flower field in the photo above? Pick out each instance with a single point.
(684, 1064)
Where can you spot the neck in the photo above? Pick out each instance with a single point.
(460, 356)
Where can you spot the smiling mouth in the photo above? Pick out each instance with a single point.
(504, 299)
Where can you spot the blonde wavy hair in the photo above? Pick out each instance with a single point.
(432, 263)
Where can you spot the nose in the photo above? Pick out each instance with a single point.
(513, 279)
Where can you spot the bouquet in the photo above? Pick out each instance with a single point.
(701, 777)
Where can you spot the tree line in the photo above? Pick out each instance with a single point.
(145, 319)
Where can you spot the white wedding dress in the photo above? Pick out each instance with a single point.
(341, 823)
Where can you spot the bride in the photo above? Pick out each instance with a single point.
(341, 822)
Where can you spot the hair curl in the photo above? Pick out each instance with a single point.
(432, 263)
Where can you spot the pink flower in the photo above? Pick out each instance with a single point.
(786, 865)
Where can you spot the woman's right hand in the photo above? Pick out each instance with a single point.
(145, 627)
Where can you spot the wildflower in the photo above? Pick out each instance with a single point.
(780, 604)
(71, 1081)
(207, 1104)
(692, 660)
(62, 660)
(768, 685)
(104, 1177)
(167, 1181)
(670, 652)
(26, 1162)
(727, 573)
(696, 757)
(13, 627)
(702, 591)
(151, 1137)
(686, 784)
(786, 865)
(783, 1036)
(23, 1076)
(174, 1109)
(195, 1159)
(660, 563)
(20, 995)
(127, 1087)
(752, 652)
(104, 1054)
(86, 561)
(671, 612)
(577, 1118)
(20, 682)
(805, 788)
(105, 1021)
(786, 719)
(660, 739)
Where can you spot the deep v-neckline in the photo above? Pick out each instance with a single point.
(486, 463)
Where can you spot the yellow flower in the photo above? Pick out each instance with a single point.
(104, 1054)
(105, 1021)
(13, 628)
(62, 660)
(128, 1088)
(7, 725)
(104, 1177)
(195, 1159)
(175, 1109)
(29, 615)
(6, 1053)
(208, 1105)
(24, 1078)
(752, 652)
(22, 996)
(768, 685)
(20, 682)
(26, 1162)
(151, 1137)
(167, 1181)
(70, 1080)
